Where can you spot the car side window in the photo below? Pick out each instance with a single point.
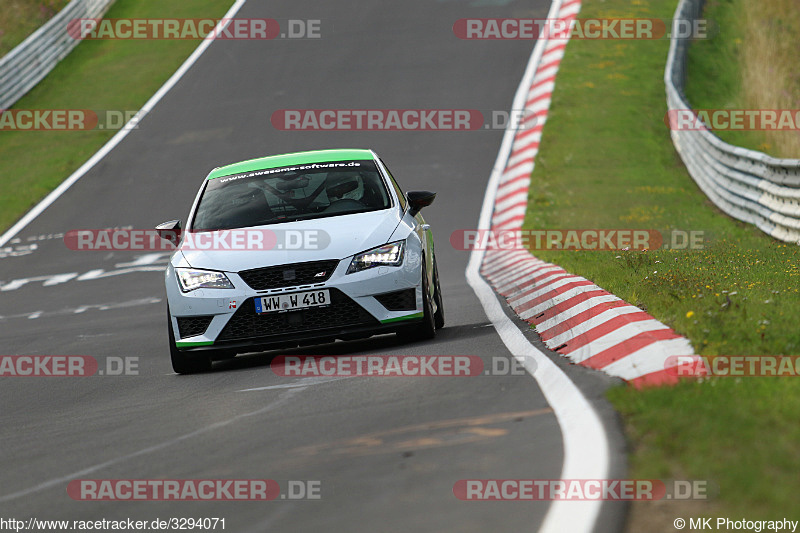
(401, 197)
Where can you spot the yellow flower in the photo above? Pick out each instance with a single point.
(690, 314)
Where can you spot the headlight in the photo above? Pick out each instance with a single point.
(387, 255)
(190, 279)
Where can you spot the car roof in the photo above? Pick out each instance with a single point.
(296, 158)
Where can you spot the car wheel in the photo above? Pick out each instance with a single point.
(427, 329)
(183, 363)
(438, 316)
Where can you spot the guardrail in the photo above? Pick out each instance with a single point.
(748, 185)
(30, 61)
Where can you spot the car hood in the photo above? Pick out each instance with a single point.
(340, 236)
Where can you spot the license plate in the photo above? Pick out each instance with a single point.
(290, 302)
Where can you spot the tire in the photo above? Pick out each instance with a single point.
(438, 316)
(425, 330)
(182, 362)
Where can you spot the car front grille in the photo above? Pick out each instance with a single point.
(405, 300)
(290, 275)
(190, 326)
(343, 312)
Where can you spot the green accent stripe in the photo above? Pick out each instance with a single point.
(285, 160)
(407, 317)
(180, 344)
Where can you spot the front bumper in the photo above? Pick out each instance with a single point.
(354, 312)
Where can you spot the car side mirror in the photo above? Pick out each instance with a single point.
(419, 199)
(170, 231)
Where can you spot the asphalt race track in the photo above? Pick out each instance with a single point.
(386, 451)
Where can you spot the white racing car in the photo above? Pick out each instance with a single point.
(301, 248)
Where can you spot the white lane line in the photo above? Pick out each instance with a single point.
(116, 139)
(82, 308)
(62, 188)
(305, 382)
(282, 399)
(586, 454)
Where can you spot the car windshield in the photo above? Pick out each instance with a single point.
(288, 194)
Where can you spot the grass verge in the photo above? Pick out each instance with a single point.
(101, 75)
(20, 18)
(607, 161)
(749, 65)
